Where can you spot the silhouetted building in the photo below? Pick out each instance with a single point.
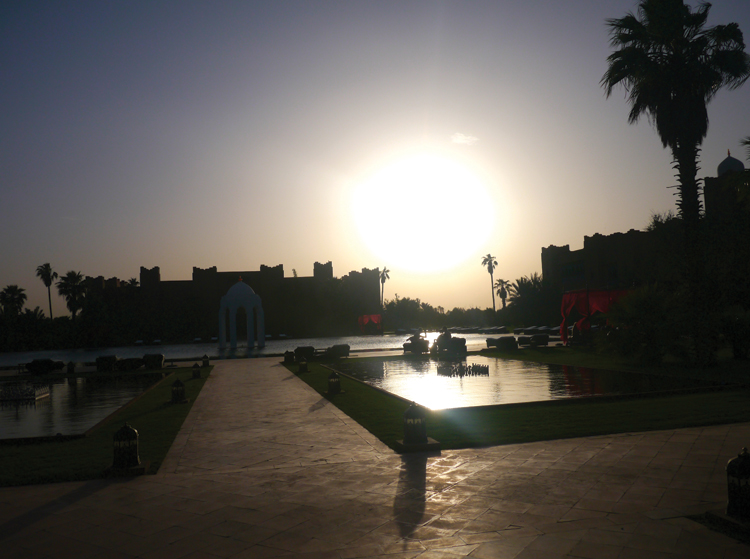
(187, 309)
(615, 261)
(624, 260)
(727, 232)
(721, 194)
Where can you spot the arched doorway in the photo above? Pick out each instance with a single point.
(241, 295)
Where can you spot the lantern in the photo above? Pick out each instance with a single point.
(178, 392)
(196, 371)
(126, 448)
(334, 384)
(205, 361)
(415, 425)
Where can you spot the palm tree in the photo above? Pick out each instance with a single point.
(133, 282)
(525, 287)
(45, 273)
(672, 65)
(12, 300)
(746, 143)
(71, 287)
(34, 315)
(490, 262)
(501, 286)
(383, 278)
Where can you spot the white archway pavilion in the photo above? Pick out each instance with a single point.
(241, 295)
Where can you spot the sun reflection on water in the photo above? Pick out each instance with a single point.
(507, 382)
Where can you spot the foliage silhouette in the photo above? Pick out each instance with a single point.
(647, 325)
(12, 300)
(533, 300)
(490, 263)
(72, 288)
(672, 64)
(47, 275)
(384, 276)
(501, 286)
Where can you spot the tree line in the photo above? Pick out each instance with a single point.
(25, 329)
(530, 301)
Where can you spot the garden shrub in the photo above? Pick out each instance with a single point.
(645, 325)
(735, 327)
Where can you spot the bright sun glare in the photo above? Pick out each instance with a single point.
(424, 213)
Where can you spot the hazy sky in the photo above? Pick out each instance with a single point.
(235, 134)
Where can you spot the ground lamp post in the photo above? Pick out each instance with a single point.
(178, 392)
(196, 371)
(415, 431)
(738, 486)
(126, 448)
(415, 425)
(302, 367)
(205, 360)
(334, 384)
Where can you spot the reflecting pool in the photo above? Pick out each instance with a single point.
(73, 406)
(438, 385)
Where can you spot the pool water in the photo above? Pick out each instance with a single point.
(436, 385)
(73, 406)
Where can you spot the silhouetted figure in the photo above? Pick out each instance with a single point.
(443, 340)
(416, 338)
(417, 344)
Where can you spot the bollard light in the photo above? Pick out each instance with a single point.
(288, 357)
(302, 367)
(205, 360)
(334, 384)
(738, 486)
(196, 371)
(178, 392)
(125, 448)
(415, 425)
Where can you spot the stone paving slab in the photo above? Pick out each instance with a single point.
(264, 467)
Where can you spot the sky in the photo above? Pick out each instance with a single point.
(418, 135)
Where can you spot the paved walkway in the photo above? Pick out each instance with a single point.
(264, 467)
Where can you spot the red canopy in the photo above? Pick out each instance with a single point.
(376, 319)
(587, 302)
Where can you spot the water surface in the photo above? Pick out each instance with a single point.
(73, 406)
(428, 382)
(195, 350)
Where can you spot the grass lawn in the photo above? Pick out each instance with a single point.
(152, 415)
(382, 414)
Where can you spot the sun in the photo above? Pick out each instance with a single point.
(423, 213)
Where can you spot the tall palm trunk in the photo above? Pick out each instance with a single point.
(492, 288)
(49, 297)
(701, 327)
(686, 157)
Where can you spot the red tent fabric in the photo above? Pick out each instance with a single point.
(376, 319)
(586, 302)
